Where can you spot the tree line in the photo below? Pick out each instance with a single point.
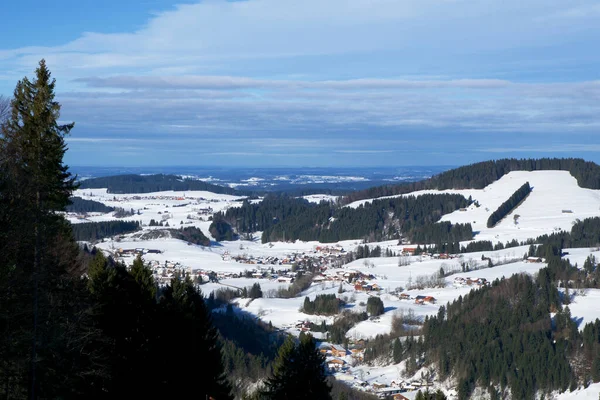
(132, 183)
(287, 218)
(190, 234)
(482, 174)
(510, 322)
(509, 205)
(94, 231)
(79, 205)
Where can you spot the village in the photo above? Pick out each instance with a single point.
(408, 281)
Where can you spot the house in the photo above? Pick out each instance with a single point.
(399, 397)
(535, 259)
(404, 296)
(324, 348)
(424, 300)
(358, 353)
(338, 351)
(335, 364)
(409, 251)
(377, 385)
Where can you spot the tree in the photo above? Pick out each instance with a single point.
(185, 318)
(43, 303)
(397, 351)
(375, 306)
(255, 291)
(298, 372)
(143, 276)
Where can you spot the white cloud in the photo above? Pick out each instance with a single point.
(194, 37)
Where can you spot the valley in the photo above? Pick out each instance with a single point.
(412, 287)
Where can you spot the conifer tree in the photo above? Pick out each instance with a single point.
(186, 319)
(298, 372)
(37, 254)
(397, 351)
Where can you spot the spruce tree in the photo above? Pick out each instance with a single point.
(186, 319)
(298, 372)
(43, 310)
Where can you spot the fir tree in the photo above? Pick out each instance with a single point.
(298, 372)
(43, 317)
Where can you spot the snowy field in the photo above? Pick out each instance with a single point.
(555, 203)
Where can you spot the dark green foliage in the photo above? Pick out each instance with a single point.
(120, 184)
(323, 304)
(255, 291)
(93, 231)
(49, 346)
(286, 218)
(341, 325)
(374, 306)
(342, 391)
(299, 285)
(141, 329)
(186, 319)
(397, 351)
(365, 251)
(441, 232)
(510, 324)
(221, 230)
(79, 205)
(509, 205)
(427, 395)
(191, 234)
(479, 175)
(298, 372)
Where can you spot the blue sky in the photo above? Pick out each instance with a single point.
(314, 83)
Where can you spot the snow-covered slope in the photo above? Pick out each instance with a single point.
(555, 202)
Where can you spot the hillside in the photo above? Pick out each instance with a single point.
(400, 279)
(132, 183)
(555, 202)
(482, 174)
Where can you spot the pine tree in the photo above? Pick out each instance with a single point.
(186, 319)
(298, 372)
(143, 276)
(397, 351)
(43, 304)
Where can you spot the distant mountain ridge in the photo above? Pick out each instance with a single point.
(132, 183)
(480, 175)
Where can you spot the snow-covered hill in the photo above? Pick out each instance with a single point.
(555, 202)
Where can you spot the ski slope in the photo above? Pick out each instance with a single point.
(556, 201)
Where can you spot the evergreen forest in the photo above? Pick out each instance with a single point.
(133, 183)
(281, 217)
(79, 205)
(482, 174)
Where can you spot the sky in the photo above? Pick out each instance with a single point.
(313, 83)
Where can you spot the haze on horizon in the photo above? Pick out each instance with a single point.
(322, 83)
